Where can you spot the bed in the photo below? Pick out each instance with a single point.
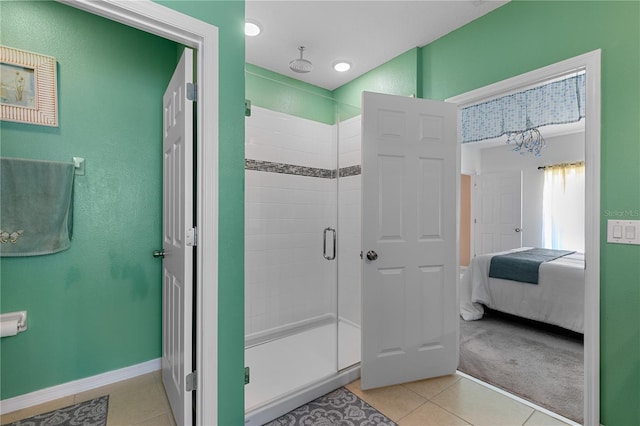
(557, 298)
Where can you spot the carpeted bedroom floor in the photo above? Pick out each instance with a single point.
(540, 363)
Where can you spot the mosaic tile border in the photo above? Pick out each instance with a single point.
(351, 171)
(292, 169)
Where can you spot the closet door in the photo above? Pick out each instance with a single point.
(498, 221)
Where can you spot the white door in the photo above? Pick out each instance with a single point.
(177, 265)
(498, 212)
(410, 185)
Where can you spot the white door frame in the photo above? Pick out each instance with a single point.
(156, 19)
(591, 63)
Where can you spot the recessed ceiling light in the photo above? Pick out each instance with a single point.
(342, 66)
(251, 28)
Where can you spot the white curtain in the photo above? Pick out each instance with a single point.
(563, 207)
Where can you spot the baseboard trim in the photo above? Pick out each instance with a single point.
(49, 394)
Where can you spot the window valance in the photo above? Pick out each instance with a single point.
(558, 102)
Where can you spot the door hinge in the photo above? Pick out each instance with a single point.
(192, 237)
(191, 381)
(247, 108)
(247, 374)
(192, 92)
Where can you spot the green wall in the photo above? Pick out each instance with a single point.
(103, 290)
(277, 92)
(97, 306)
(228, 16)
(280, 93)
(399, 76)
(525, 35)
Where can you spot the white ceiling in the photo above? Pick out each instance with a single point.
(366, 33)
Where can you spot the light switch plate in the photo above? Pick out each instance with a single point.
(623, 231)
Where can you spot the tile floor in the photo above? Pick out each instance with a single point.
(450, 401)
(134, 402)
(443, 401)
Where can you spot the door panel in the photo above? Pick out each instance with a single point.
(410, 173)
(177, 265)
(499, 201)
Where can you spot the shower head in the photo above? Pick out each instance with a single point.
(300, 65)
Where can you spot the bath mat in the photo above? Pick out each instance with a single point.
(339, 407)
(87, 413)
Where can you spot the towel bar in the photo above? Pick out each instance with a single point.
(78, 164)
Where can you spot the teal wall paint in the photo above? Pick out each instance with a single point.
(108, 275)
(525, 35)
(461, 61)
(228, 16)
(97, 306)
(280, 93)
(399, 76)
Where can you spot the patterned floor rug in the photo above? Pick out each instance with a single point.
(338, 408)
(88, 413)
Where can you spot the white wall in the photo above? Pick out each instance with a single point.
(565, 148)
(287, 279)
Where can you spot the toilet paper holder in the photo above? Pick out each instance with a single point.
(20, 316)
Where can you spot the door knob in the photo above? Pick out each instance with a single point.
(518, 229)
(372, 255)
(158, 253)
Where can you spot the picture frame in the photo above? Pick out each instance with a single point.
(28, 87)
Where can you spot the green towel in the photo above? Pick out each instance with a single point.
(35, 206)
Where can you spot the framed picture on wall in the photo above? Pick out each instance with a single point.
(28, 87)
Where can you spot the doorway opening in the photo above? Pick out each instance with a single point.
(590, 64)
(203, 38)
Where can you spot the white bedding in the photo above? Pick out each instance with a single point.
(557, 299)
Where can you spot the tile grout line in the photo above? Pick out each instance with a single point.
(436, 404)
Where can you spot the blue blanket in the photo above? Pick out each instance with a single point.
(523, 265)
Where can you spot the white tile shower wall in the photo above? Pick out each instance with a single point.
(287, 278)
(281, 138)
(288, 281)
(349, 222)
(350, 142)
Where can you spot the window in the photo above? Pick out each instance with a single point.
(563, 207)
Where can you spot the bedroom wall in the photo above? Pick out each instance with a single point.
(508, 42)
(560, 149)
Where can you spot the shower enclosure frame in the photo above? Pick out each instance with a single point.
(330, 250)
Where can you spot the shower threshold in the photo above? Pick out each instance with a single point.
(291, 371)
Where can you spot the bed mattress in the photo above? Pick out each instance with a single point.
(557, 299)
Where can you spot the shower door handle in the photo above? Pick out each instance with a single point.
(324, 244)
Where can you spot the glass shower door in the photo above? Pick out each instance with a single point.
(349, 243)
(290, 253)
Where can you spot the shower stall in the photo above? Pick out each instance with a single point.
(302, 245)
